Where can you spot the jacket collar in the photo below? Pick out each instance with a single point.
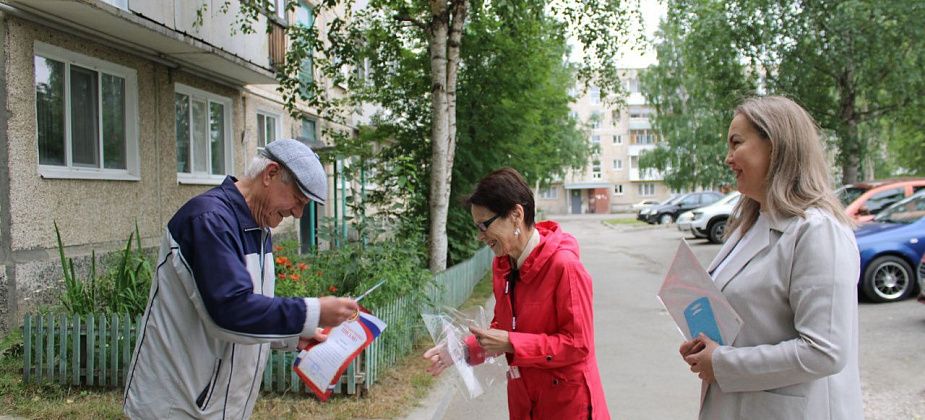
(234, 197)
(760, 241)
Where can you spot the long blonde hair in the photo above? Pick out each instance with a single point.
(798, 176)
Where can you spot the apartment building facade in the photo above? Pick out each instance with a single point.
(118, 112)
(612, 181)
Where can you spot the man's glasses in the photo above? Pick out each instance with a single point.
(483, 226)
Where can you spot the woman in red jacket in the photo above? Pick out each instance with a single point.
(543, 320)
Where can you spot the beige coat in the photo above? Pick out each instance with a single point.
(796, 357)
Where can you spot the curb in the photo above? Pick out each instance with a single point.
(434, 405)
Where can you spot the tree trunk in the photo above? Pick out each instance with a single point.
(439, 137)
(849, 141)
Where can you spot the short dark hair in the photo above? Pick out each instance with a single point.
(500, 191)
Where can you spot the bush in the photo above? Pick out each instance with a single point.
(121, 288)
(352, 269)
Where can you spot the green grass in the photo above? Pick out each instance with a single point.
(625, 221)
(480, 293)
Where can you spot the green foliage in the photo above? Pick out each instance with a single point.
(352, 269)
(121, 288)
(851, 63)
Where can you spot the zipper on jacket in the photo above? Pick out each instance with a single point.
(206, 395)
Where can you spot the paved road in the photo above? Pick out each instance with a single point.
(644, 378)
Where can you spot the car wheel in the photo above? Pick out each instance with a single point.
(665, 219)
(716, 231)
(887, 279)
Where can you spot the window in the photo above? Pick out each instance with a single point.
(618, 139)
(204, 149)
(634, 162)
(573, 115)
(595, 139)
(595, 120)
(618, 164)
(642, 137)
(86, 113)
(631, 85)
(308, 133)
(596, 169)
(550, 193)
(640, 112)
(122, 4)
(267, 128)
(305, 16)
(615, 116)
(618, 189)
(594, 95)
(646, 189)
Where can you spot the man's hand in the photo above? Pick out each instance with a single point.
(319, 337)
(336, 310)
(494, 341)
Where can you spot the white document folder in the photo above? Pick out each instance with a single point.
(695, 303)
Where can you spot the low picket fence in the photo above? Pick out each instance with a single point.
(95, 350)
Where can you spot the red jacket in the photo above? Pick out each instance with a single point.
(554, 339)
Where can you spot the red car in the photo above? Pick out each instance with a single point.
(864, 200)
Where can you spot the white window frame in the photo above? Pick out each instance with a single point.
(203, 178)
(595, 139)
(618, 189)
(277, 126)
(618, 164)
(617, 139)
(594, 95)
(596, 169)
(549, 193)
(646, 189)
(132, 171)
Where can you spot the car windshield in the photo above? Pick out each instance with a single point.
(906, 211)
(849, 193)
(673, 199)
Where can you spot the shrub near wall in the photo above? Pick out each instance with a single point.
(86, 347)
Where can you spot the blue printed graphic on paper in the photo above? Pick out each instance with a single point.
(700, 319)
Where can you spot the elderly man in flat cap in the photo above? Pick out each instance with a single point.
(212, 316)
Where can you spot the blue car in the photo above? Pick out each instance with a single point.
(891, 248)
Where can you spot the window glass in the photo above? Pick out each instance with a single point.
(84, 120)
(49, 110)
(181, 104)
(217, 137)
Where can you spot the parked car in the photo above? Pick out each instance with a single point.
(710, 221)
(922, 280)
(667, 213)
(865, 199)
(892, 247)
(644, 213)
(643, 204)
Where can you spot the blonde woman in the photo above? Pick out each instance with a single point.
(789, 267)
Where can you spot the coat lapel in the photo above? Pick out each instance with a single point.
(758, 242)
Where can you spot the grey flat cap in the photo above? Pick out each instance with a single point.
(303, 163)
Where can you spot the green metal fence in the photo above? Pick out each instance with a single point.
(95, 350)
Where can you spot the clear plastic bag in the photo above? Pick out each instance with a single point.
(449, 328)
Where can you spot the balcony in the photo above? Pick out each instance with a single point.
(636, 174)
(168, 32)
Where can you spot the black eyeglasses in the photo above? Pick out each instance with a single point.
(483, 226)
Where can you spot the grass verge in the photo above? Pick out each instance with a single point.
(625, 222)
(395, 394)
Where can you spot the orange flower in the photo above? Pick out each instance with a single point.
(332, 289)
(302, 266)
(281, 276)
(294, 276)
(277, 248)
(282, 260)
